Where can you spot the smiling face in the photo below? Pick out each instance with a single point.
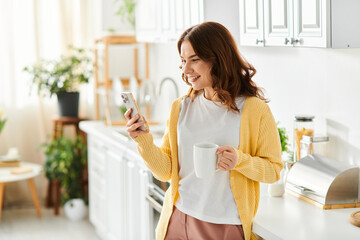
(196, 70)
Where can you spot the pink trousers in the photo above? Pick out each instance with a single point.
(185, 227)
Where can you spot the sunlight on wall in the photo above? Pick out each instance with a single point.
(20, 20)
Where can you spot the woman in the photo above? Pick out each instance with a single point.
(223, 106)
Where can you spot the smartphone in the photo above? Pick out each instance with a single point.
(129, 102)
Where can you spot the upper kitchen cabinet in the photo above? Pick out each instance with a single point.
(278, 26)
(224, 12)
(345, 19)
(296, 23)
(284, 23)
(147, 15)
(251, 22)
(307, 23)
(165, 20)
(311, 23)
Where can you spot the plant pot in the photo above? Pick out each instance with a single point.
(68, 104)
(75, 209)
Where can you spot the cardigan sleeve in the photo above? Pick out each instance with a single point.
(264, 163)
(157, 159)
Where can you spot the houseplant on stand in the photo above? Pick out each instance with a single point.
(65, 163)
(63, 78)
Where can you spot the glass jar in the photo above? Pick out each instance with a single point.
(310, 145)
(303, 125)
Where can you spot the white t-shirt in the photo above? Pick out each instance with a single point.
(211, 199)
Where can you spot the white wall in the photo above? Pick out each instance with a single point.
(322, 82)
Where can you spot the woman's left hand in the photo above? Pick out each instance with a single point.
(228, 158)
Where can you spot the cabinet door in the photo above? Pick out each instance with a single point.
(181, 18)
(116, 198)
(311, 23)
(133, 200)
(186, 13)
(97, 185)
(148, 20)
(278, 22)
(167, 20)
(146, 219)
(196, 10)
(251, 22)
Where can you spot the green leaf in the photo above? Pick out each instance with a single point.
(283, 139)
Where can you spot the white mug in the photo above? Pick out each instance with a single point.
(205, 159)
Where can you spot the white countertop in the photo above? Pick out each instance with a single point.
(290, 218)
(117, 135)
(287, 217)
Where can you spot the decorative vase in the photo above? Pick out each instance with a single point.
(75, 209)
(68, 104)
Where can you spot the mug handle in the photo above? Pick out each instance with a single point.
(217, 162)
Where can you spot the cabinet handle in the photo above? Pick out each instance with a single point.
(293, 40)
(124, 158)
(259, 41)
(143, 172)
(157, 206)
(286, 41)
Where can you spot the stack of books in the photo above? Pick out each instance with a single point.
(8, 162)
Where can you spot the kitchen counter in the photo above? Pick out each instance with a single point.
(290, 218)
(287, 217)
(118, 134)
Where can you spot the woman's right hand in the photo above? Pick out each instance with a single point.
(132, 126)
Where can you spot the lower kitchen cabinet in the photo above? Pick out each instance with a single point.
(97, 185)
(118, 187)
(116, 203)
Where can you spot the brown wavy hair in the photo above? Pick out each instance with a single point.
(231, 73)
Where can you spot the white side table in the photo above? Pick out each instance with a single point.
(7, 177)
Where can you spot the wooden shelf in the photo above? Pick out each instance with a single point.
(106, 82)
(117, 39)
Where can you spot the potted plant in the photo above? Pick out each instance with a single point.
(277, 189)
(65, 162)
(62, 77)
(284, 140)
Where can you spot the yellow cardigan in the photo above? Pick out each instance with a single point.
(259, 160)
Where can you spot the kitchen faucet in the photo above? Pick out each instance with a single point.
(171, 80)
